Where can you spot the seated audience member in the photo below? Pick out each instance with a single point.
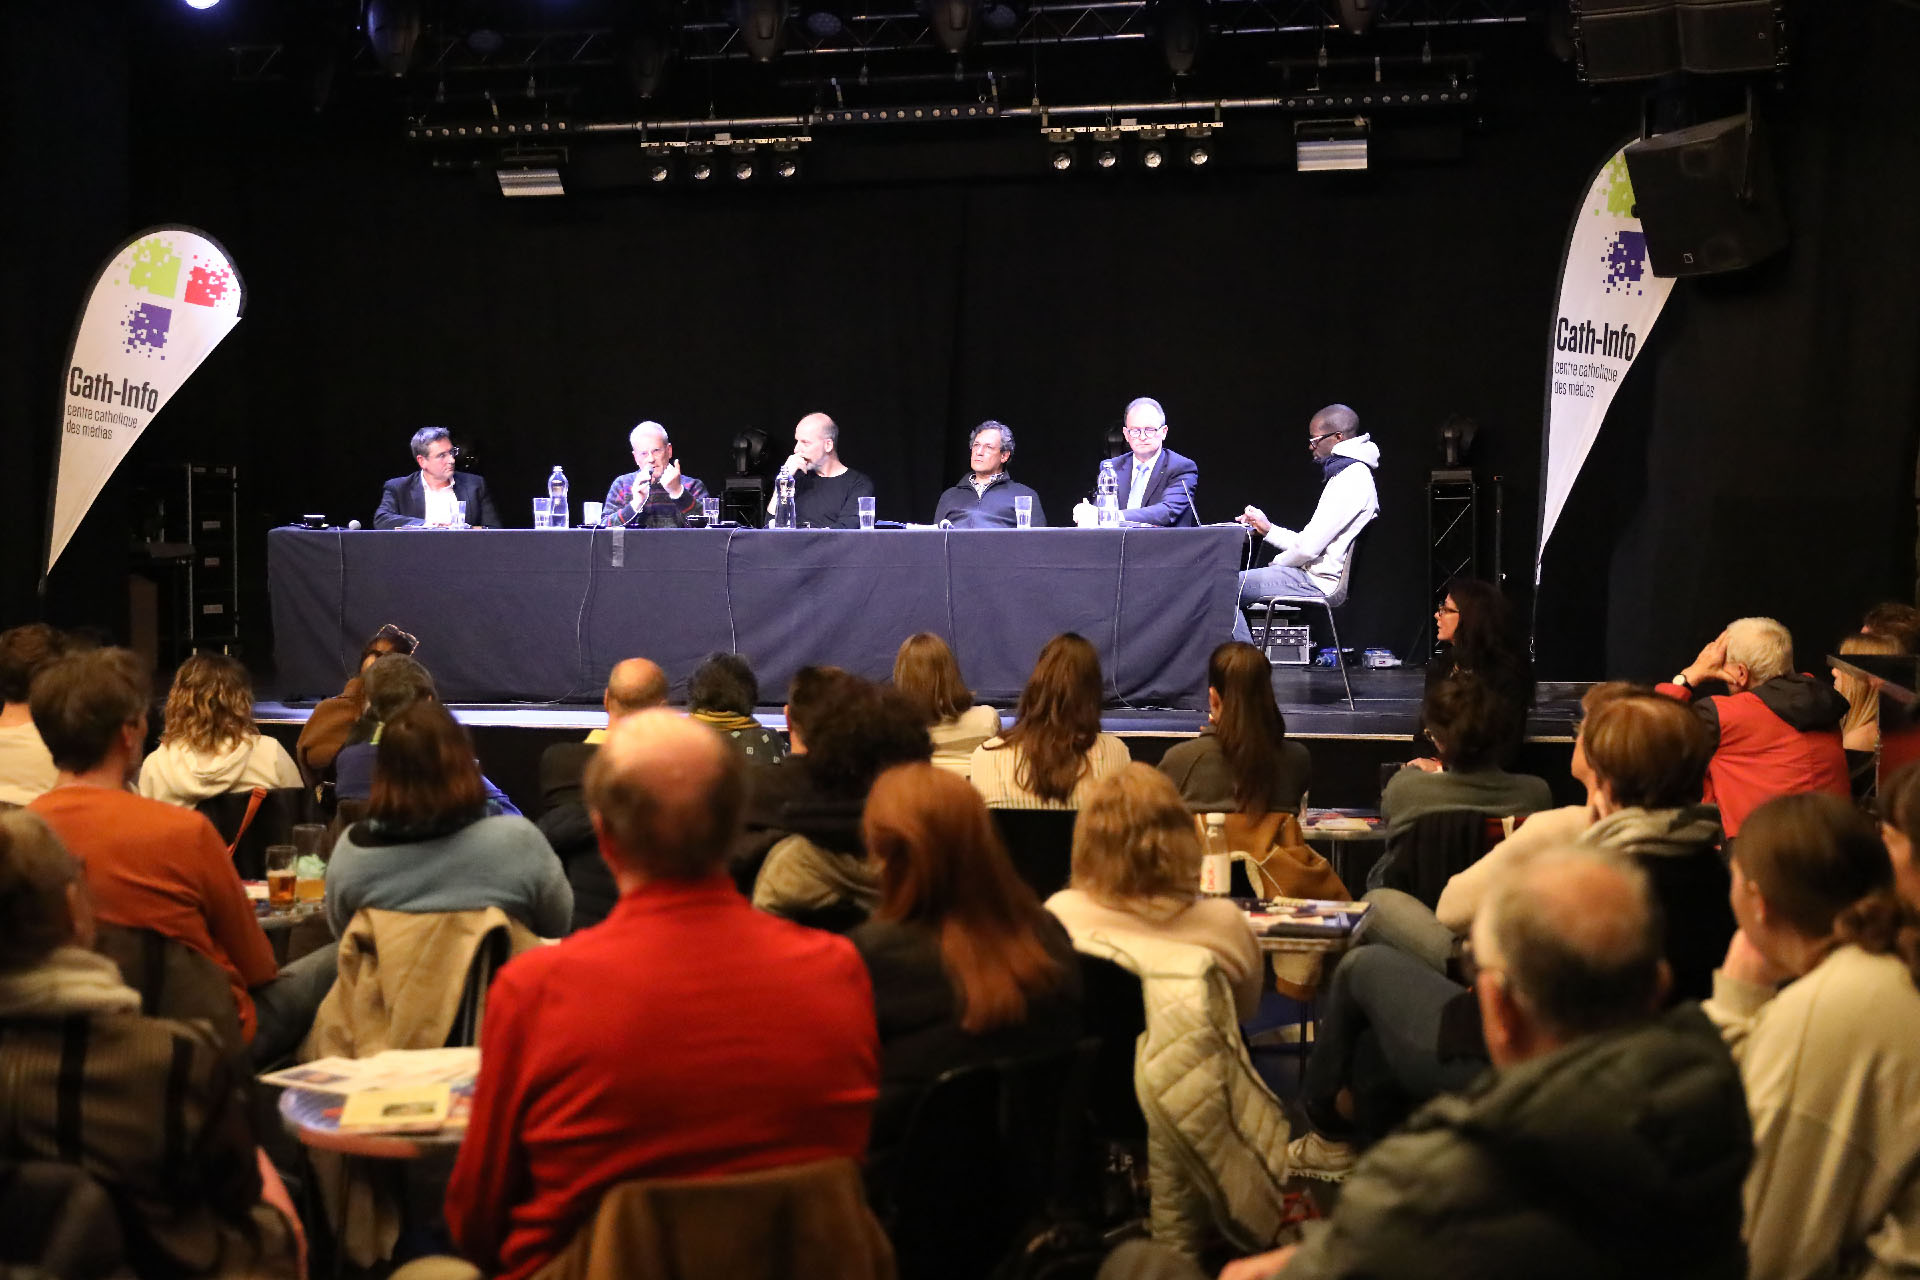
(927, 675)
(1775, 732)
(1136, 870)
(1243, 761)
(1830, 1060)
(1899, 826)
(819, 873)
(633, 685)
(1465, 890)
(771, 788)
(156, 866)
(1899, 621)
(393, 684)
(26, 770)
(210, 745)
(1606, 1141)
(1478, 637)
(153, 1110)
(721, 694)
(689, 1036)
(1055, 751)
(332, 720)
(1464, 717)
(426, 844)
(1860, 727)
(967, 967)
(1395, 1031)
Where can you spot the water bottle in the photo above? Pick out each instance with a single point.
(557, 490)
(783, 514)
(1216, 864)
(1106, 500)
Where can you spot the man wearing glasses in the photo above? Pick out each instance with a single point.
(430, 497)
(1155, 484)
(1312, 560)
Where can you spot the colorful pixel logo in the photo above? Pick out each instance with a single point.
(154, 267)
(146, 328)
(1626, 262)
(1615, 189)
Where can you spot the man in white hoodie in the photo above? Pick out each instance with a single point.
(1311, 560)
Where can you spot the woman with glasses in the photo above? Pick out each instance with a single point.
(1476, 634)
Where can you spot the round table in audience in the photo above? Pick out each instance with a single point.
(313, 1116)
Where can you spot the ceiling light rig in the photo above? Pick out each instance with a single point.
(1102, 148)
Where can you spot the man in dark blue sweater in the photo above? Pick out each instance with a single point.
(985, 497)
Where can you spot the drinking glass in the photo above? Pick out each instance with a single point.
(866, 513)
(542, 513)
(310, 838)
(280, 876)
(710, 508)
(1023, 512)
(591, 513)
(459, 514)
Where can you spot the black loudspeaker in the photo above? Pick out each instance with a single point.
(1706, 198)
(1727, 35)
(1625, 39)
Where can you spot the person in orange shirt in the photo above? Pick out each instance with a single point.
(157, 866)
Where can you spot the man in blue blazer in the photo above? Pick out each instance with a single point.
(1156, 484)
(427, 496)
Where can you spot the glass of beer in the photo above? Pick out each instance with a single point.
(280, 876)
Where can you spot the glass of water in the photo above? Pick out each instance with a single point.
(542, 512)
(1023, 512)
(459, 515)
(710, 508)
(866, 513)
(591, 513)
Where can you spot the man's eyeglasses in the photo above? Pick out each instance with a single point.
(450, 453)
(1312, 441)
(1141, 433)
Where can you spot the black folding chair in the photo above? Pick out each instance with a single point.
(1040, 842)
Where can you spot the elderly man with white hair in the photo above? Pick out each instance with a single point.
(657, 493)
(1776, 732)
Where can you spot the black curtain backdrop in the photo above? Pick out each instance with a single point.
(1762, 460)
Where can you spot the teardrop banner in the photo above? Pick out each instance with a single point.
(1609, 301)
(162, 300)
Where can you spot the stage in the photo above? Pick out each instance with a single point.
(1348, 746)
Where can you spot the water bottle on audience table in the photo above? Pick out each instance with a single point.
(1106, 500)
(559, 513)
(1216, 864)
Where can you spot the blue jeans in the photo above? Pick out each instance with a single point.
(283, 1008)
(1274, 580)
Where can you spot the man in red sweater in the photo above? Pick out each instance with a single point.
(157, 866)
(687, 1035)
(1775, 733)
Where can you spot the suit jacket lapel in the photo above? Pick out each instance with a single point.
(1156, 479)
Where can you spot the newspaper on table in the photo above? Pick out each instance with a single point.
(392, 1069)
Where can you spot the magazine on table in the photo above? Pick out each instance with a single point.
(392, 1069)
(1303, 917)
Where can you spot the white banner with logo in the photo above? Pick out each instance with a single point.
(1609, 301)
(163, 300)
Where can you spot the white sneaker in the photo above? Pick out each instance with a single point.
(1312, 1156)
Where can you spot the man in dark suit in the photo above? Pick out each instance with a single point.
(427, 496)
(1155, 484)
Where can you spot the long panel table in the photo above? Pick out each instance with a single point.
(523, 615)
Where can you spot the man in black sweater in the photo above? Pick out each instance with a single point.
(826, 491)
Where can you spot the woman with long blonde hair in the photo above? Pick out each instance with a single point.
(1055, 750)
(1136, 870)
(210, 745)
(926, 673)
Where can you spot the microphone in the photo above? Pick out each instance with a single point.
(1193, 507)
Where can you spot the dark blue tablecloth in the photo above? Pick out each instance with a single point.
(508, 615)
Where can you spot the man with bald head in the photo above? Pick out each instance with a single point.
(1606, 1141)
(634, 684)
(688, 1036)
(826, 491)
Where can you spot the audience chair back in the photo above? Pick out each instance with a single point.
(1699, 923)
(56, 1220)
(494, 950)
(280, 809)
(771, 1224)
(987, 1150)
(1433, 849)
(1114, 1013)
(1040, 842)
(174, 980)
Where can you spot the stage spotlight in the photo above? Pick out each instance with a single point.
(786, 161)
(1198, 155)
(1152, 157)
(1061, 159)
(202, 4)
(1182, 28)
(700, 163)
(659, 173)
(763, 27)
(1003, 16)
(647, 52)
(393, 28)
(953, 22)
(1106, 158)
(742, 170)
(1357, 15)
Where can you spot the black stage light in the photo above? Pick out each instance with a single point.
(763, 27)
(1357, 15)
(953, 22)
(1003, 17)
(1181, 26)
(393, 28)
(749, 450)
(647, 49)
(1198, 155)
(659, 172)
(1107, 158)
(1152, 156)
(700, 163)
(1061, 159)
